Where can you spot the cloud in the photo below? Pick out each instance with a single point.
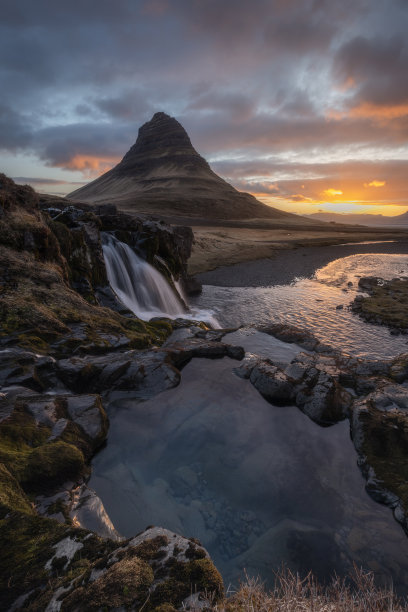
(375, 184)
(29, 180)
(375, 71)
(333, 192)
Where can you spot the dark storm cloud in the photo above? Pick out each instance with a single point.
(15, 130)
(376, 68)
(67, 146)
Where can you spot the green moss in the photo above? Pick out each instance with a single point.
(187, 578)
(150, 550)
(52, 464)
(34, 462)
(126, 582)
(399, 368)
(12, 496)
(27, 543)
(33, 343)
(195, 552)
(385, 447)
(19, 434)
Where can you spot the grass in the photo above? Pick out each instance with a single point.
(357, 592)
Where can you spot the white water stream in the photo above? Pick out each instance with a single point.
(142, 289)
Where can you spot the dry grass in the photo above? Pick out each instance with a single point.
(356, 593)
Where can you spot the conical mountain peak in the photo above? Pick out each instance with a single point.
(163, 137)
(163, 174)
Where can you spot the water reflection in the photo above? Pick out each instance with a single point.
(319, 304)
(257, 484)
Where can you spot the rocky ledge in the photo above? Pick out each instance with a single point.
(328, 387)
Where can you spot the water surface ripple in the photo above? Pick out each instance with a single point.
(319, 304)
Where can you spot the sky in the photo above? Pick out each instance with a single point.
(303, 103)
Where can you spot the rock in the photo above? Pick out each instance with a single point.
(288, 333)
(273, 384)
(325, 402)
(399, 368)
(19, 367)
(157, 566)
(379, 428)
(181, 353)
(87, 412)
(192, 286)
(368, 282)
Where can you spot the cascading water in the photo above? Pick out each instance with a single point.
(141, 288)
(138, 284)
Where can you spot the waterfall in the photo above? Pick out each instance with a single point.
(137, 284)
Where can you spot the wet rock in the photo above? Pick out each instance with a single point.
(144, 373)
(368, 282)
(19, 367)
(399, 368)
(87, 412)
(181, 353)
(325, 402)
(379, 428)
(192, 285)
(273, 384)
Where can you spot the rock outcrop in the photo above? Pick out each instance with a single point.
(329, 387)
(54, 293)
(66, 342)
(163, 174)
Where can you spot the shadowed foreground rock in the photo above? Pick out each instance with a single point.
(47, 566)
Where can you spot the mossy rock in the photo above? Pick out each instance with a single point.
(35, 463)
(124, 584)
(199, 575)
(399, 368)
(28, 545)
(52, 464)
(387, 303)
(385, 446)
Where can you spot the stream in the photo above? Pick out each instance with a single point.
(259, 485)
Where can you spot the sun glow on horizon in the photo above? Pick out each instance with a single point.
(333, 192)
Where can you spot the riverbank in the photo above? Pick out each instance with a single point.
(292, 263)
(217, 246)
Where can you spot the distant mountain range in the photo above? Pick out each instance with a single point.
(360, 219)
(163, 174)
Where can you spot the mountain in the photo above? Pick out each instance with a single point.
(163, 174)
(361, 219)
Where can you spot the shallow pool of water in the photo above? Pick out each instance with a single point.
(319, 304)
(257, 484)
